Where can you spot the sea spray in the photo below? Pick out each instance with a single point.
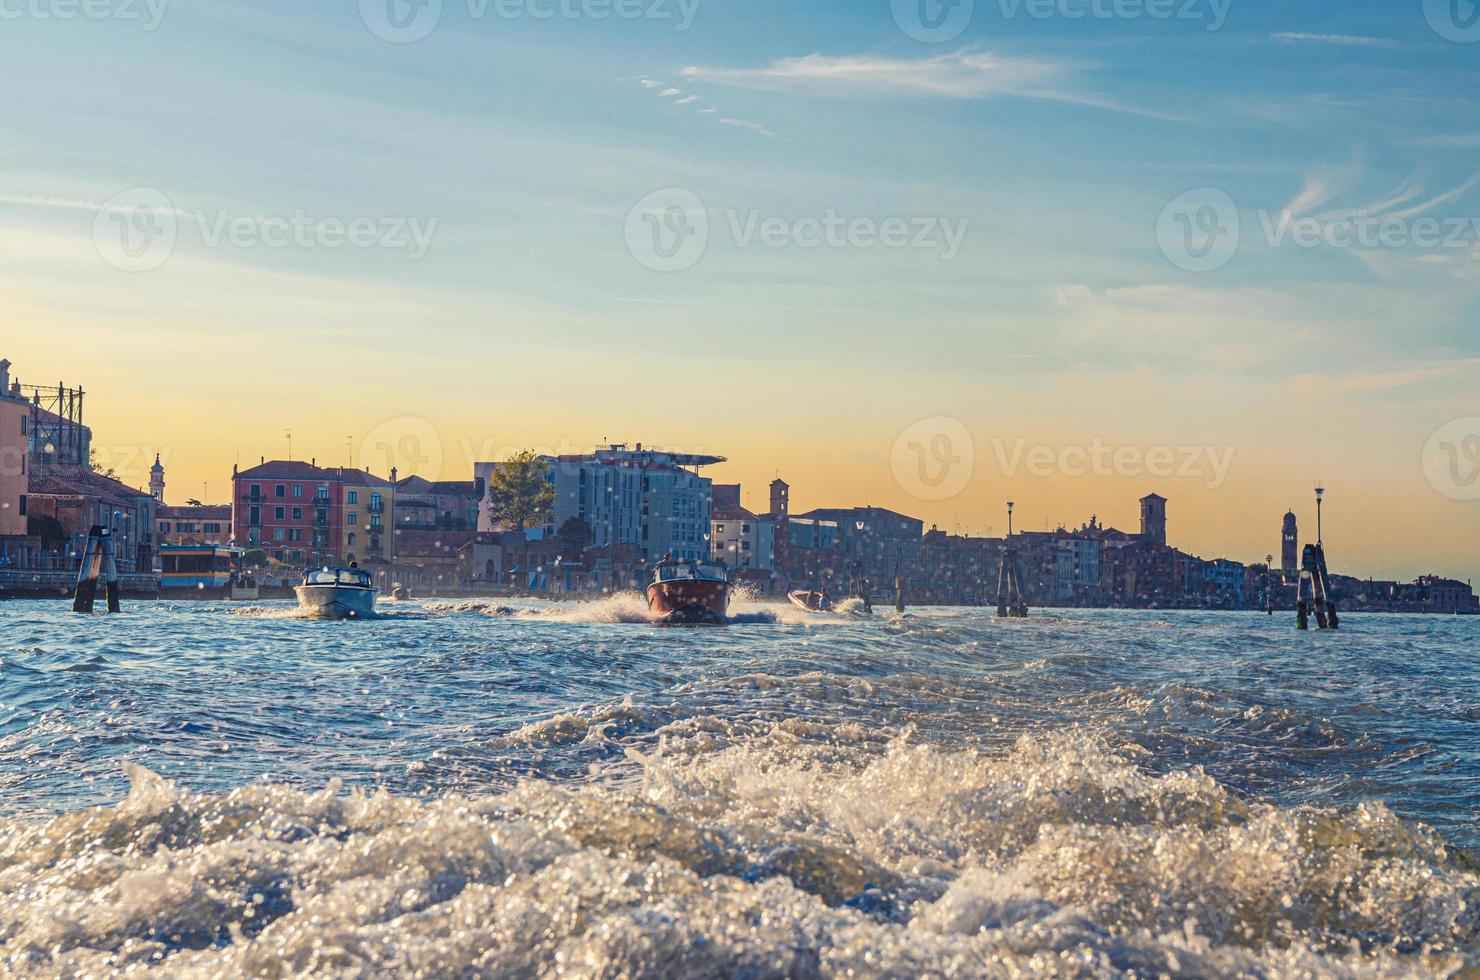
(811, 853)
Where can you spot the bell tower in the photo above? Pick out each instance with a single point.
(156, 479)
(1289, 546)
(1154, 519)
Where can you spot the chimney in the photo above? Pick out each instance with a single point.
(393, 474)
(4, 376)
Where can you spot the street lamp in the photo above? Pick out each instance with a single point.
(1320, 493)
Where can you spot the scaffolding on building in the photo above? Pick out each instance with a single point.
(57, 435)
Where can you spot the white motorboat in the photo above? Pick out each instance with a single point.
(337, 593)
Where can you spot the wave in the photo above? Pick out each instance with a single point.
(804, 849)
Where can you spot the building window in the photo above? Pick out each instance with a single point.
(354, 518)
(280, 490)
(23, 496)
(352, 539)
(354, 496)
(298, 490)
(278, 512)
(164, 526)
(277, 534)
(297, 513)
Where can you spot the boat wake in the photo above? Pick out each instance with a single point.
(805, 849)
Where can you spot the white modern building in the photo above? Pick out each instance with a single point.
(742, 540)
(647, 497)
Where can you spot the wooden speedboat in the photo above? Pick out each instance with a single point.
(811, 601)
(337, 593)
(690, 593)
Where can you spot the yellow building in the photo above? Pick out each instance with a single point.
(369, 528)
(15, 414)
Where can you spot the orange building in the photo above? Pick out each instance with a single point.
(15, 415)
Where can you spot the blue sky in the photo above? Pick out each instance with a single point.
(1057, 143)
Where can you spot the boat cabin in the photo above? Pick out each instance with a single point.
(339, 576)
(707, 571)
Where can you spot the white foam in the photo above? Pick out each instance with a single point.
(801, 850)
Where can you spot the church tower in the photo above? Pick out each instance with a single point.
(780, 500)
(1154, 519)
(156, 480)
(1289, 547)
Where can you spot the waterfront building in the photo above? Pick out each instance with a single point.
(15, 423)
(743, 540)
(960, 569)
(193, 525)
(427, 505)
(1228, 580)
(65, 502)
(646, 497)
(368, 504)
(873, 543)
(290, 509)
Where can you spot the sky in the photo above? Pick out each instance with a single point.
(919, 256)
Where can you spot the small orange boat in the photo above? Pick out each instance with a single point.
(690, 593)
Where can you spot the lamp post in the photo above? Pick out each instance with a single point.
(1268, 587)
(1320, 493)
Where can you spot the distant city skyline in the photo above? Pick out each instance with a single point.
(790, 235)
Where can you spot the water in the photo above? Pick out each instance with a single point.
(525, 790)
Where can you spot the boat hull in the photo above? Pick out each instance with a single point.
(335, 601)
(690, 602)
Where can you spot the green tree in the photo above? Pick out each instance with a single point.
(520, 497)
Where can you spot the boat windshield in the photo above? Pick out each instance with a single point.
(337, 576)
(691, 570)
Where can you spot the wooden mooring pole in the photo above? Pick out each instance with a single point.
(98, 562)
(1315, 582)
(1011, 602)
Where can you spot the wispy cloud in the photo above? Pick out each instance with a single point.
(961, 74)
(1343, 40)
(746, 124)
(1325, 386)
(677, 96)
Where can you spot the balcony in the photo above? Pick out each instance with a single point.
(377, 507)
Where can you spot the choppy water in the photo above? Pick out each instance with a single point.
(464, 789)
